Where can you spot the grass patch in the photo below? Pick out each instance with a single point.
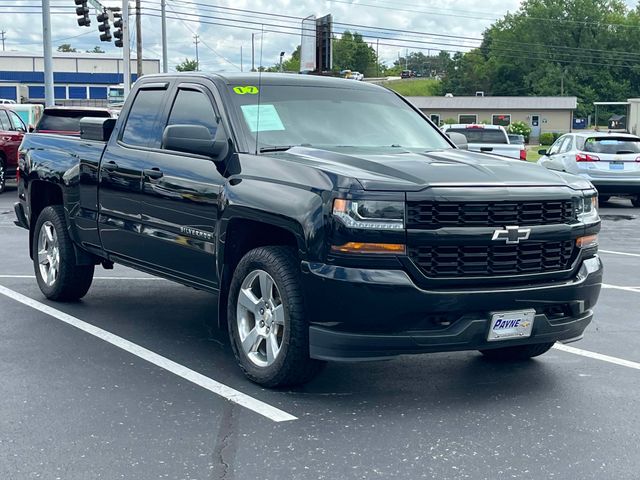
(532, 152)
(414, 87)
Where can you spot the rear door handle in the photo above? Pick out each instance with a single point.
(153, 173)
(110, 166)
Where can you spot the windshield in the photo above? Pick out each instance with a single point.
(611, 145)
(481, 135)
(324, 118)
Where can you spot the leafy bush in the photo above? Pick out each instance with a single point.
(520, 128)
(546, 139)
(450, 121)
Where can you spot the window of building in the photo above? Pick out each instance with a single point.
(192, 107)
(435, 118)
(467, 119)
(503, 120)
(143, 128)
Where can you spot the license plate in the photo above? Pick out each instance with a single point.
(510, 325)
(616, 166)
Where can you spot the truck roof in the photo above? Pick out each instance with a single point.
(268, 78)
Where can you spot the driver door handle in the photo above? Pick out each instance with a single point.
(110, 166)
(153, 173)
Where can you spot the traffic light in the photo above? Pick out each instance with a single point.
(117, 24)
(83, 13)
(104, 27)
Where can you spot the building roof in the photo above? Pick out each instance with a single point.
(85, 55)
(495, 103)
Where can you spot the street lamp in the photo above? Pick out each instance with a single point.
(281, 55)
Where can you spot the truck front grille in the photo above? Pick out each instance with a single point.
(430, 215)
(441, 261)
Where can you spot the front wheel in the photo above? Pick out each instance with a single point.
(267, 326)
(519, 353)
(54, 260)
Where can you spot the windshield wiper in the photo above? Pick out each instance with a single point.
(281, 148)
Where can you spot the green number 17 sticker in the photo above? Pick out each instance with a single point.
(248, 89)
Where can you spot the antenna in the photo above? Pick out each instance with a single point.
(259, 88)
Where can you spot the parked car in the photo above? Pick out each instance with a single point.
(610, 161)
(30, 113)
(491, 139)
(357, 76)
(66, 120)
(12, 130)
(324, 239)
(515, 139)
(407, 74)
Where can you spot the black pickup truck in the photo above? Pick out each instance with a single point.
(333, 220)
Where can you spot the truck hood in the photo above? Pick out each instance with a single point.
(409, 171)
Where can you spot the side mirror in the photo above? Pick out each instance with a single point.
(196, 139)
(459, 140)
(542, 153)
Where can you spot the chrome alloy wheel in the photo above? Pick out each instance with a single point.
(260, 318)
(48, 253)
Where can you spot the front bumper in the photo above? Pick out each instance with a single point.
(359, 314)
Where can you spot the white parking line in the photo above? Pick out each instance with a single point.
(192, 376)
(613, 252)
(597, 356)
(618, 287)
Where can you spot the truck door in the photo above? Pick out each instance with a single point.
(120, 191)
(180, 194)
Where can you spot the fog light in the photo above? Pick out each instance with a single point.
(587, 242)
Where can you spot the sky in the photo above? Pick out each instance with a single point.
(224, 30)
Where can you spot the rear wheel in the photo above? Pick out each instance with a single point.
(54, 260)
(3, 176)
(635, 201)
(521, 352)
(267, 325)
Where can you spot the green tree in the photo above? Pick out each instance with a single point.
(66, 47)
(350, 52)
(96, 49)
(188, 65)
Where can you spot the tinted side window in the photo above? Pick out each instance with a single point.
(4, 121)
(193, 108)
(16, 121)
(142, 128)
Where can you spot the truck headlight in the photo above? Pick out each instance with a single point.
(370, 214)
(587, 209)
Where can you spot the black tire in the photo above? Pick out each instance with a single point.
(635, 201)
(519, 353)
(292, 365)
(72, 281)
(3, 176)
(604, 198)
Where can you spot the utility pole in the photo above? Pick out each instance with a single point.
(3, 33)
(377, 57)
(165, 55)
(138, 39)
(49, 99)
(406, 60)
(253, 52)
(196, 40)
(241, 66)
(126, 48)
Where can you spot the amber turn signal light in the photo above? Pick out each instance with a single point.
(359, 247)
(588, 241)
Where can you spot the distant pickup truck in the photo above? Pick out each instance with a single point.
(322, 238)
(491, 139)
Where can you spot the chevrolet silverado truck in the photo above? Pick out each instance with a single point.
(492, 139)
(324, 239)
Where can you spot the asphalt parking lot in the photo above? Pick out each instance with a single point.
(128, 383)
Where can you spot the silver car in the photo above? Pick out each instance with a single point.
(611, 161)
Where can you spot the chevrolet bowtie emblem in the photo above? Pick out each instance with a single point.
(512, 234)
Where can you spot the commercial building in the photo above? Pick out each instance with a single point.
(78, 77)
(542, 114)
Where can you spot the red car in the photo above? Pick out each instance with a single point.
(12, 129)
